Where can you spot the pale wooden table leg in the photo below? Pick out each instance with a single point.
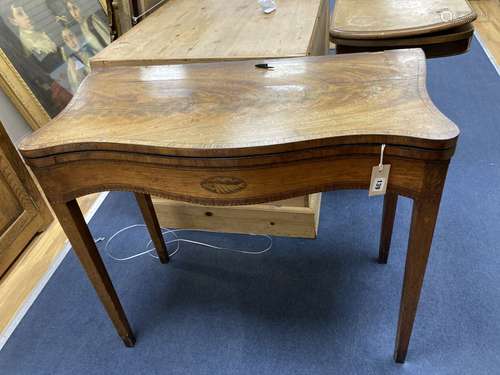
(151, 220)
(78, 233)
(389, 212)
(423, 222)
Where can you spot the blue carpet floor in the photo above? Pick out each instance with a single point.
(309, 306)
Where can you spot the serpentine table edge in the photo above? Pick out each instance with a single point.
(227, 176)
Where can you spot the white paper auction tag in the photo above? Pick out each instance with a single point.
(379, 180)
(380, 176)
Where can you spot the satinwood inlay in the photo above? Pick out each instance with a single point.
(223, 185)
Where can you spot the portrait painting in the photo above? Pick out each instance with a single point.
(45, 51)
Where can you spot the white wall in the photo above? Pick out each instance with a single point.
(12, 121)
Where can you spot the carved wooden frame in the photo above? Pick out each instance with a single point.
(21, 95)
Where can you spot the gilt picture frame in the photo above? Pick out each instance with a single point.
(45, 47)
(104, 6)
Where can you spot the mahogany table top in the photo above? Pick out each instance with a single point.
(236, 109)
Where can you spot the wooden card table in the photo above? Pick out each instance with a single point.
(439, 27)
(187, 132)
(188, 31)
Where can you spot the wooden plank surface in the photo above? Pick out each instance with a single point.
(290, 217)
(488, 25)
(201, 30)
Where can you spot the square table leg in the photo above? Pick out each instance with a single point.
(389, 212)
(75, 227)
(424, 216)
(151, 220)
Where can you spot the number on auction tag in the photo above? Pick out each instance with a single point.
(379, 180)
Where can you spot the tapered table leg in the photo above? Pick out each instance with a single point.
(78, 233)
(389, 212)
(425, 211)
(151, 220)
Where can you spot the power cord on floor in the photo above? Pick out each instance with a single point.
(165, 231)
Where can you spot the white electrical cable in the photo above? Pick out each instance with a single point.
(165, 231)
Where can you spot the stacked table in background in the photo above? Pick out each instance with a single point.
(439, 27)
(193, 31)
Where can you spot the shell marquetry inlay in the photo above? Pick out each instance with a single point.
(223, 185)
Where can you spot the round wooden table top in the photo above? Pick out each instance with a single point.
(234, 109)
(381, 19)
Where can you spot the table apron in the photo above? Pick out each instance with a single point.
(223, 186)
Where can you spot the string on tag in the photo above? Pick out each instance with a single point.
(381, 163)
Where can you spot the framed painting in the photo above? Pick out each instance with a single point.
(45, 47)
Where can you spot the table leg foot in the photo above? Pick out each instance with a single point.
(151, 220)
(73, 223)
(388, 215)
(129, 341)
(400, 357)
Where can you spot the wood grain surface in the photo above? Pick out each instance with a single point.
(235, 109)
(23, 211)
(215, 30)
(380, 19)
(193, 31)
(440, 37)
(291, 217)
(438, 44)
(233, 134)
(488, 24)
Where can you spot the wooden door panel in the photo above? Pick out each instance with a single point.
(19, 216)
(23, 212)
(11, 208)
